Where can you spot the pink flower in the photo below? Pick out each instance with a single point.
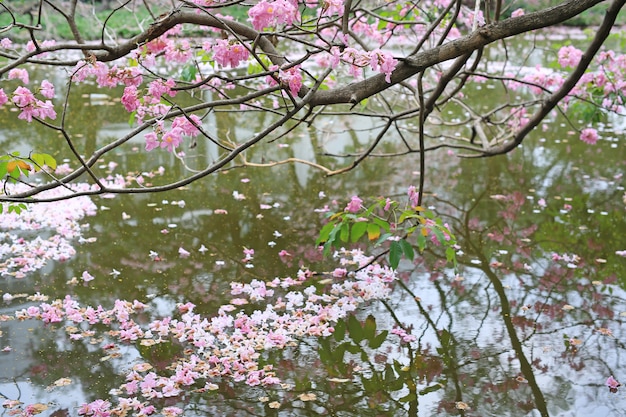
(87, 276)
(517, 12)
(43, 109)
(3, 97)
(19, 73)
(188, 128)
(172, 411)
(159, 87)
(569, 56)
(249, 253)
(383, 62)
(97, 408)
(589, 136)
(6, 43)
(291, 77)
(354, 205)
(613, 384)
(413, 195)
(152, 141)
(172, 139)
(356, 59)
(230, 54)
(406, 337)
(178, 52)
(331, 7)
(340, 272)
(183, 253)
(265, 14)
(130, 98)
(47, 89)
(23, 97)
(30, 106)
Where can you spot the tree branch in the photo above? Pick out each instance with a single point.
(603, 32)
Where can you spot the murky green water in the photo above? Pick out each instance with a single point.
(516, 332)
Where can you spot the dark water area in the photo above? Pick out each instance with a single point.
(531, 323)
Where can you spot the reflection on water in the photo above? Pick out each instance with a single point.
(531, 324)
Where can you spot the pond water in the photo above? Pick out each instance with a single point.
(532, 323)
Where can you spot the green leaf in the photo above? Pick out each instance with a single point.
(373, 231)
(3, 169)
(451, 255)
(389, 375)
(421, 242)
(354, 349)
(408, 398)
(445, 339)
(189, 73)
(345, 232)
(358, 230)
(369, 327)
(355, 329)
(382, 223)
(408, 214)
(325, 233)
(17, 208)
(440, 237)
(50, 161)
(331, 239)
(377, 341)
(407, 249)
(323, 350)
(395, 253)
(432, 388)
(340, 330)
(383, 238)
(43, 159)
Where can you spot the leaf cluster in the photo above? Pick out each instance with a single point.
(386, 223)
(13, 166)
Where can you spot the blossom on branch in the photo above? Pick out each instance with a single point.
(383, 62)
(228, 53)
(268, 14)
(589, 136)
(354, 206)
(569, 56)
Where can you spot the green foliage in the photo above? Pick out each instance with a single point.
(256, 68)
(385, 223)
(355, 337)
(189, 73)
(13, 166)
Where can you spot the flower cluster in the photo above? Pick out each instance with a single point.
(403, 335)
(589, 136)
(172, 137)
(229, 53)
(229, 344)
(26, 100)
(21, 254)
(569, 56)
(266, 14)
(378, 60)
